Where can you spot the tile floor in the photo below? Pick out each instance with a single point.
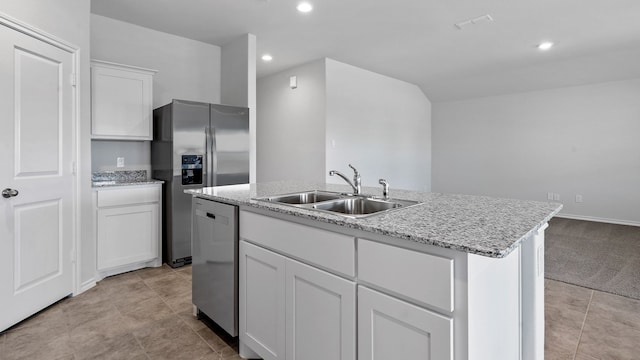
(585, 324)
(147, 314)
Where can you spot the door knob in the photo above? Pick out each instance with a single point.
(7, 193)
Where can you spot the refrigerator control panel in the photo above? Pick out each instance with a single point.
(191, 169)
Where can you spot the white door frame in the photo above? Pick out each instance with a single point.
(43, 36)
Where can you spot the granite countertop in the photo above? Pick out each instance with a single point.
(121, 178)
(102, 184)
(481, 225)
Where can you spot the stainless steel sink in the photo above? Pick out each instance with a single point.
(307, 197)
(354, 206)
(362, 205)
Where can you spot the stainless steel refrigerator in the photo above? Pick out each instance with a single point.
(195, 145)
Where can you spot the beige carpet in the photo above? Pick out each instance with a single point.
(598, 256)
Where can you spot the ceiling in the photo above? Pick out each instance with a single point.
(416, 40)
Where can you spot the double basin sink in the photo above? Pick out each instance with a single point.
(354, 206)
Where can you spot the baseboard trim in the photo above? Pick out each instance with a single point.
(101, 274)
(86, 286)
(597, 219)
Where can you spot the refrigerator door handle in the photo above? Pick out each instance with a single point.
(209, 156)
(213, 169)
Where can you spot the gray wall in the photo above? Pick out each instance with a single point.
(69, 21)
(379, 124)
(291, 125)
(187, 69)
(571, 141)
(104, 154)
(238, 85)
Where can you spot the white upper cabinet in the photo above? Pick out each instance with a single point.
(121, 101)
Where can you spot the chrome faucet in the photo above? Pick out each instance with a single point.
(356, 184)
(385, 188)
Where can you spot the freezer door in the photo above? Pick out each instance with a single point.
(189, 122)
(229, 134)
(215, 269)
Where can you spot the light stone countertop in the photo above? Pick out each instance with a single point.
(121, 178)
(481, 225)
(103, 184)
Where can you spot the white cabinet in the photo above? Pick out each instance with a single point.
(121, 101)
(328, 250)
(262, 301)
(390, 329)
(298, 298)
(426, 279)
(290, 310)
(320, 314)
(127, 228)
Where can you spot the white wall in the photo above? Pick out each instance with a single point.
(380, 125)
(69, 21)
(571, 141)
(291, 125)
(238, 85)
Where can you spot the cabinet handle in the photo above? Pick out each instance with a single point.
(210, 215)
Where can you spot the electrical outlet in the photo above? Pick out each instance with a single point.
(578, 198)
(550, 196)
(120, 162)
(556, 197)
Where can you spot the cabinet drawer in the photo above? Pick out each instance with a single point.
(322, 248)
(422, 277)
(135, 195)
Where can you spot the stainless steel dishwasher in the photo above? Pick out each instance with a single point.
(214, 243)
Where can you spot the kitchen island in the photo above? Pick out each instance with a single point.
(453, 277)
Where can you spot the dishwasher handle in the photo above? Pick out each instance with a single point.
(209, 214)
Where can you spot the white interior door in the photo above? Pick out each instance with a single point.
(36, 143)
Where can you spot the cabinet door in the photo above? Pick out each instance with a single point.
(262, 301)
(121, 101)
(320, 314)
(390, 329)
(127, 235)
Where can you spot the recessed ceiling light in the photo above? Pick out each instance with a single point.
(304, 7)
(267, 57)
(545, 45)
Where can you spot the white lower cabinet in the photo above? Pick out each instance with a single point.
(298, 297)
(320, 314)
(127, 235)
(128, 229)
(389, 329)
(289, 310)
(262, 301)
